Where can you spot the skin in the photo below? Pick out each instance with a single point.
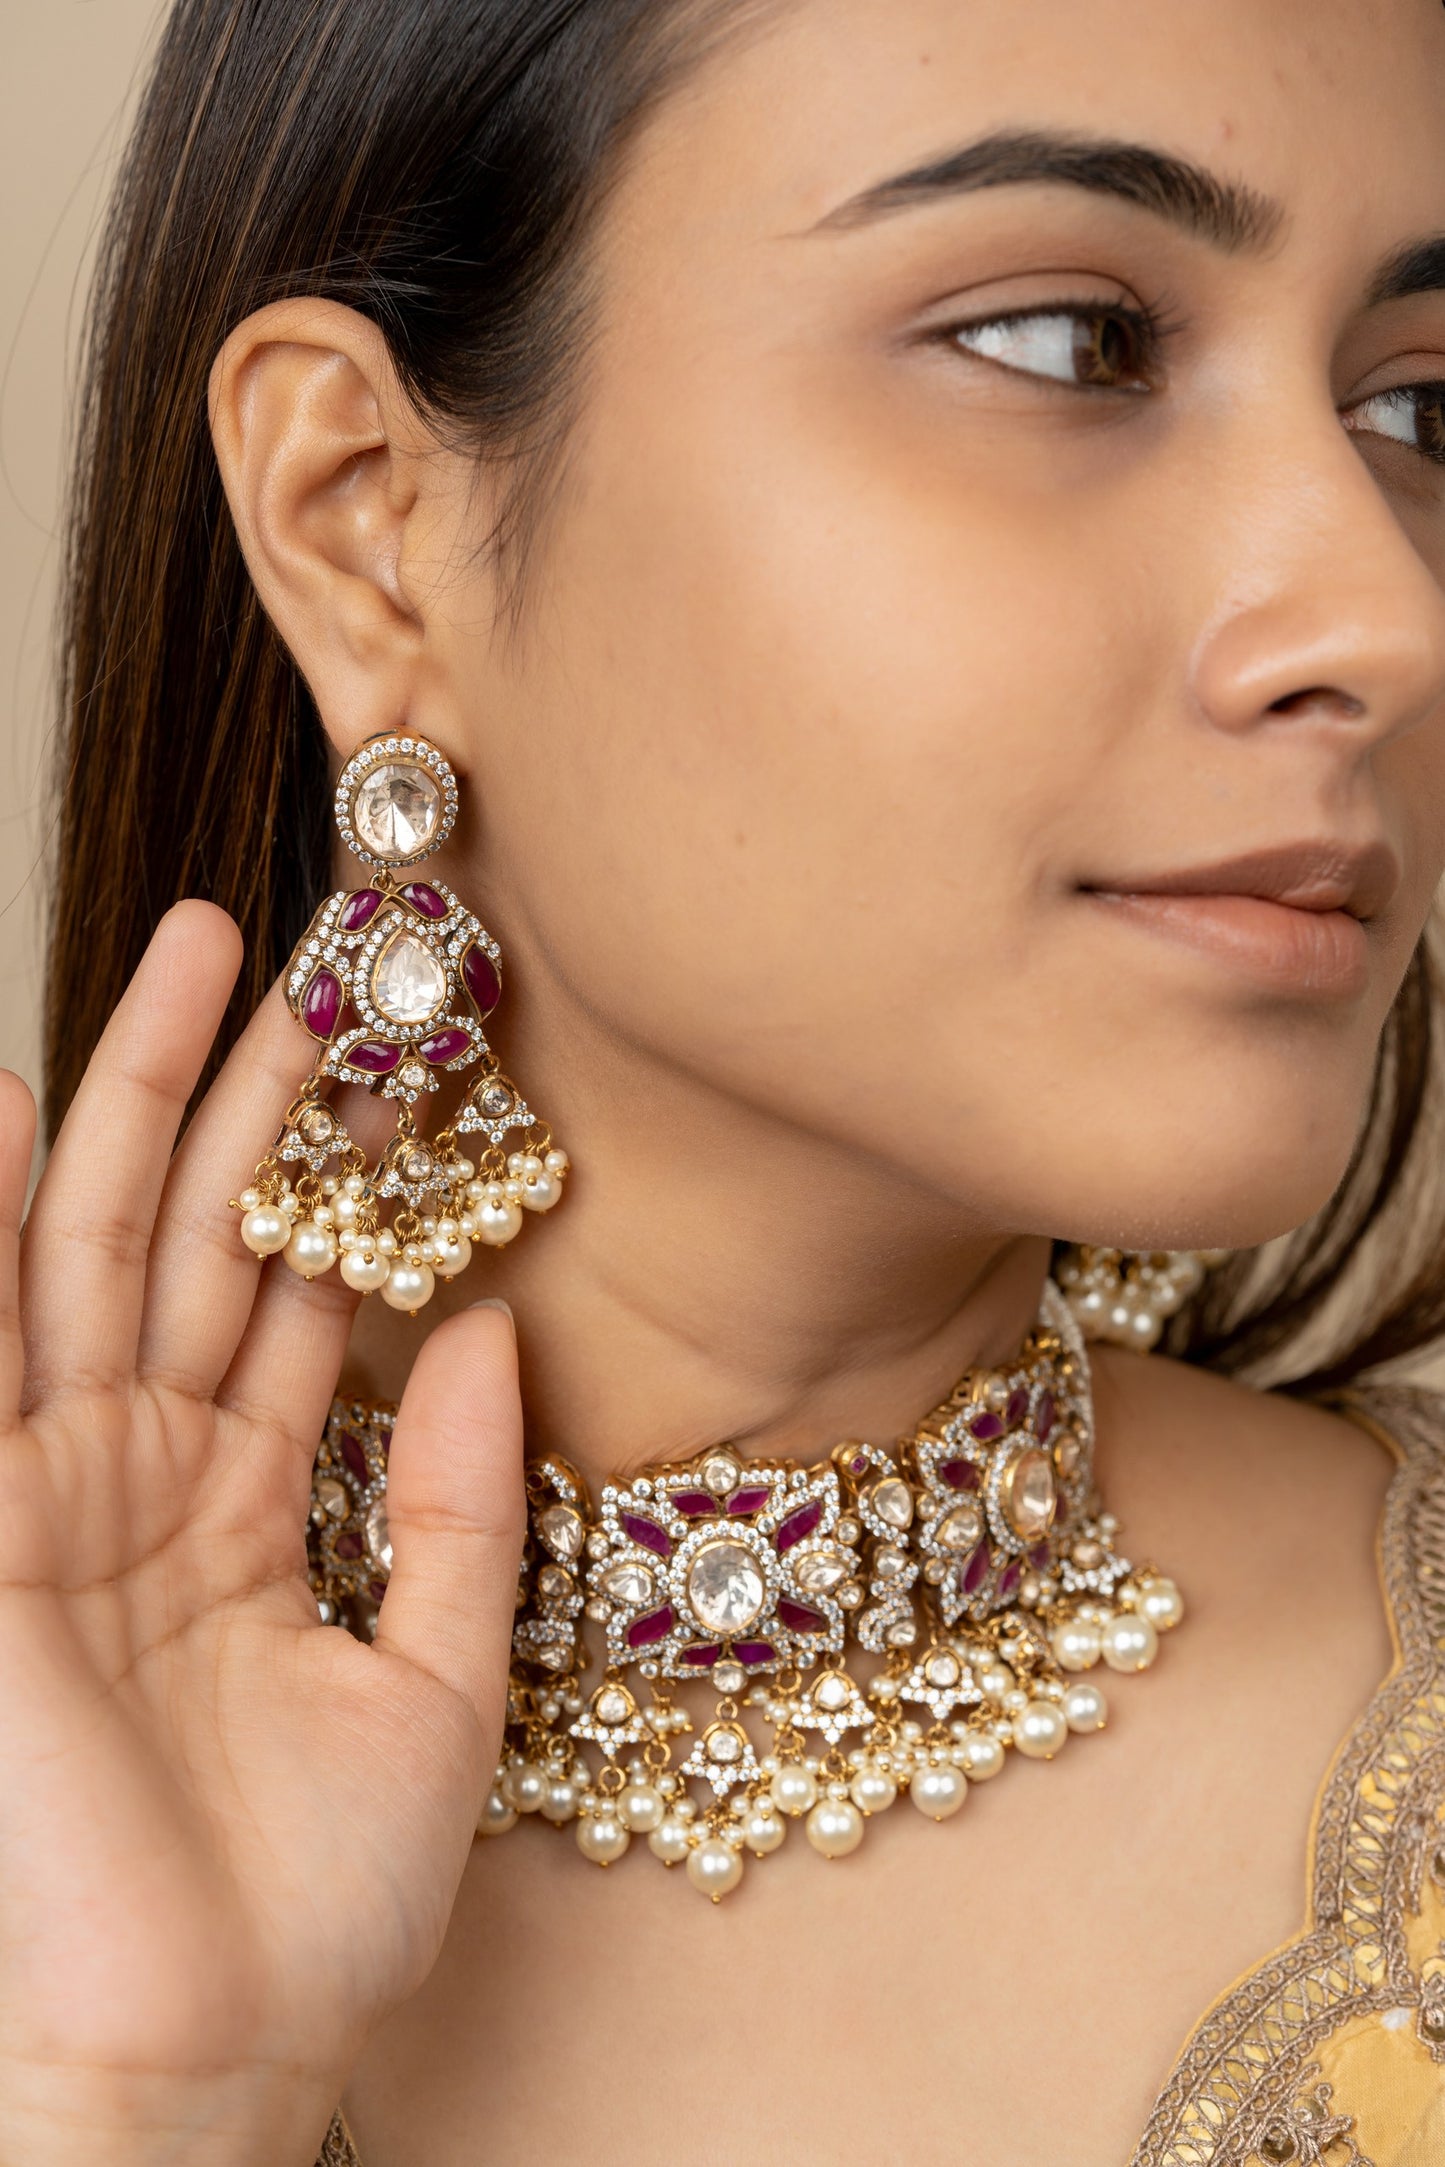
(922, 661)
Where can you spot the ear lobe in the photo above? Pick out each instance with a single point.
(320, 457)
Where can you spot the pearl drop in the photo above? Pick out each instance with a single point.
(365, 1269)
(1076, 1644)
(264, 1230)
(1039, 1730)
(496, 1816)
(938, 1791)
(524, 1785)
(1084, 1706)
(714, 1867)
(249, 1199)
(497, 1222)
(872, 1790)
(602, 1838)
(835, 1827)
(640, 1809)
(763, 1831)
(561, 1802)
(995, 1679)
(670, 1841)
(1129, 1641)
(409, 1286)
(453, 1255)
(540, 1192)
(311, 1250)
(1161, 1603)
(980, 1755)
(794, 1789)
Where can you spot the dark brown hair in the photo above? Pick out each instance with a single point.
(436, 164)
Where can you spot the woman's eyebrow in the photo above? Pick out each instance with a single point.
(1227, 213)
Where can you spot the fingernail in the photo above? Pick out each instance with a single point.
(494, 1301)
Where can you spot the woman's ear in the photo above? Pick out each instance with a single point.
(337, 490)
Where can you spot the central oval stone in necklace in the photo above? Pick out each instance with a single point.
(725, 1587)
(408, 983)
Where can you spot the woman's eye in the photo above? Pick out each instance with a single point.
(1107, 348)
(1413, 414)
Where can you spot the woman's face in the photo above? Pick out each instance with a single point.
(931, 572)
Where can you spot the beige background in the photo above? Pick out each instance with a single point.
(68, 75)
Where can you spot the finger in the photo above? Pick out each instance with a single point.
(284, 1375)
(17, 1144)
(203, 1278)
(455, 1509)
(83, 1261)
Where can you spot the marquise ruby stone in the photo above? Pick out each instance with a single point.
(798, 1524)
(800, 1617)
(481, 978)
(646, 1532)
(359, 909)
(748, 1500)
(425, 899)
(321, 1003)
(444, 1046)
(959, 1474)
(655, 1626)
(373, 1058)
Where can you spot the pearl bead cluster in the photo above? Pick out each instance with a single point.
(1128, 1296)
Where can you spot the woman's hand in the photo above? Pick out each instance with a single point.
(230, 1837)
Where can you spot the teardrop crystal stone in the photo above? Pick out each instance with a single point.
(408, 984)
(396, 811)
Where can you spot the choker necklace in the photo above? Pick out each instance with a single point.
(972, 1563)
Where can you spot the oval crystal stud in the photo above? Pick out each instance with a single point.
(316, 1126)
(611, 1706)
(725, 1587)
(627, 1583)
(960, 1528)
(408, 983)
(562, 1531)
(823, 1570)
(1029, 1493)
(892, 1500)
(396, 811)
(720, 1474)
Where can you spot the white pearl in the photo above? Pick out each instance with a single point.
(980, 1755)
(1039, 1730)
(640, 1809)
(835, 1827)
(996, 1679)
(311, 1250)
(938, 1791)
(496, 1816)
(602, 1838)
(322, 1214)
(497, 1222)
(561, 1802)
(556, 1162)
(540, 1192)
(670, 1841)
(1076, 1644)
(763, 1830)
(249, 1199)
(1129, 1642)
(365, 1269)
(714, 1867)
(873, 1790)
(264, 1230)
(524, 1785)
(1084, 1706)
(354, 1185)
(794, 1789)
(453, 1255)
(409, 1286)
(386, 1242)
(1161, 1603)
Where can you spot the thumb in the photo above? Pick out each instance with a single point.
(456, 1509)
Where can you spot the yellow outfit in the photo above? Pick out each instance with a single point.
(1331, 2053)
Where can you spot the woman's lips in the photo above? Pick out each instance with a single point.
(1303, 951)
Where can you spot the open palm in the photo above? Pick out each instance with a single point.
(230, 1837)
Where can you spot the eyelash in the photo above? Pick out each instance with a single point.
(1151, 332)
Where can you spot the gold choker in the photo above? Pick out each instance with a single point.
(973, 1562)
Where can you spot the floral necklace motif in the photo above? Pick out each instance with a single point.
(973, 1562)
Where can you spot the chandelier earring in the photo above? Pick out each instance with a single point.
(1128, 1295)
(395, 982)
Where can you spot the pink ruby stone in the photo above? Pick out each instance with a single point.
(321, 1003)
(752, 1652)
(1045, 1420)
(359, 909)
(1009, 1578)
(655, 1626)
(373, 1058)
(800, 1617)
(959, 1474)
(348, 1546)
(974, 1572)
(355, 1458)
(645, 1531)
(1039, 1556)
(857, 1465)
(797, 1525)
(750, 1499)
(376, 1589)
(444, 1046)
(702, 1658)
(1018, 1406)
(694, 1504)
(481, 979)
(986, 1427)
(425, 899)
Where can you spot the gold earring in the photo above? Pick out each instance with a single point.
(1127, 1295)
(395, 982)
